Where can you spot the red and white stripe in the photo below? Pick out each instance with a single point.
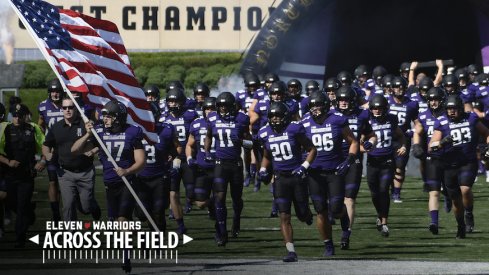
(100, 68)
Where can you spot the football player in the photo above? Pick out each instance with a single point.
(327, 129)
(380, 160)
(228, 129)
(457, 134)
(283, 142)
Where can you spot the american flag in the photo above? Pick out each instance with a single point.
(90, 57)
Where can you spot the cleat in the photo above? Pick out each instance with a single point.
(170, 215)
(247, 180)
(487, 176)
(378, 223)
(126, 266)
(396, 198)
(236, 228)
(329, 249)
(460, 232)
(274, 213)
(384, 231)
(345, 240)
(309, 220)
(188, 208)
(257, 186)
(447, 204)
(433, 228)
(181, 230)
(221, 240)
(469, 222)
(290, 257)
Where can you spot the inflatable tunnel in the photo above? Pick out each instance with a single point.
(315, 39)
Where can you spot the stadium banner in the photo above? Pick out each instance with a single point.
(168, 25)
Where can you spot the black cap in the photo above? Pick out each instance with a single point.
(19, 110)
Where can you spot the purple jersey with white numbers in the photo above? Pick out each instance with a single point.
(428, 120)
(285, 149)
(198, 129)
(182, 125)
(423, 104)
(327, 137)
(228, 134)
(50, 113)
(465, 138)
(244, 99)
(406, 111)
(358, 123)
(121, 146)
(260, 94)
(482, 95)
(157, 154)
(384, 130)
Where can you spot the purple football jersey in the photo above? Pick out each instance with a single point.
(260, 94)
(304, 106)
(428, 120)
(284, 147)
(121, 146)
(384, 130)
(157, 154)
(50, 113)
(406, 112)
(422, 103)
(228, 134)
(327, 137)
(182, 125)
(465, 138)
(358, 123)
(198, 129)
(467, 96)
(261, 108)
(244, 100)
(482, 95)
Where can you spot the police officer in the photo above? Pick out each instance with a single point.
(76, 173)
(19, 144)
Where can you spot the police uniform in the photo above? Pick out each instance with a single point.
(76, 173)
(21, 143)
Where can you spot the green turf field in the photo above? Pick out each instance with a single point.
(260, 236)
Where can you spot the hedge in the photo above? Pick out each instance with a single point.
(157, 68)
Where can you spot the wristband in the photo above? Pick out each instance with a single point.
(42, 161)
(263, 169)
(306, 164)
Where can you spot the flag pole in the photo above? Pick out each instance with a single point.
(84, 117)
